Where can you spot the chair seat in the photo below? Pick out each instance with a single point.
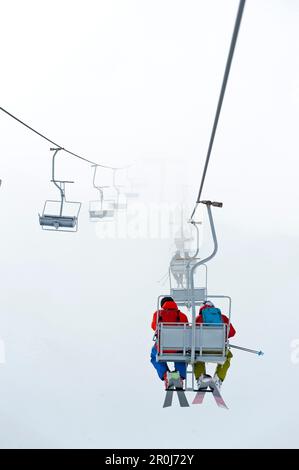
(57, 221)
(100, 214)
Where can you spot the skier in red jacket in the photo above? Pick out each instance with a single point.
(169, 313)
(221, 370)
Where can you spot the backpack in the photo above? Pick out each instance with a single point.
(211, 315)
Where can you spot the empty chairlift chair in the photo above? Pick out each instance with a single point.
(100, 209)
(60, 215)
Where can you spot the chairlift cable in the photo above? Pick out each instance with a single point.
(221, 97)
(59, 146)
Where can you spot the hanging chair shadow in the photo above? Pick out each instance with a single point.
(60, 215)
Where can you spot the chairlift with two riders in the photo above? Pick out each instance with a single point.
(192, 342)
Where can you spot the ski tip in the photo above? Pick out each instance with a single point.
(224, 407)
(221, 404)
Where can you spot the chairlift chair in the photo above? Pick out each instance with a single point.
(193, 342)
(100, 209)
(60, 215)
(97, 211)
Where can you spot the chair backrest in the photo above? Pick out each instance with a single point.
(65, 220)
(175, 340)
(183, 296)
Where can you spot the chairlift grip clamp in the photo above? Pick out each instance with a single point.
(212, 203)
(194, 222)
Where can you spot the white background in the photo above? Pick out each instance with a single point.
(124, 81)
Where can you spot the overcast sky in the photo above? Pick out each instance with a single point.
(136, 82)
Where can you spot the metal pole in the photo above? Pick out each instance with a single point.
(197, 242)
(253, 351)
(98, 188)
(61, 188)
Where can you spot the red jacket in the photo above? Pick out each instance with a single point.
(169, 313)
(232, 331)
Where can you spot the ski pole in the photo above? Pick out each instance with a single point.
(259, 353)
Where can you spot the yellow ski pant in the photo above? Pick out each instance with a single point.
(221, 371)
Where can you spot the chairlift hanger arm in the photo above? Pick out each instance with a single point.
(61, 186)
(194, 224)
(212, 226)
(96, 186)
(116, 187)
(192, 271)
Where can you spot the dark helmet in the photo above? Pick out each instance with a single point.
(206, 304)
(166, 299)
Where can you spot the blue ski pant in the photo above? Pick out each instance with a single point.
(162, 367)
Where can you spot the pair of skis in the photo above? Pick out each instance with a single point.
(198, 399)
(175, 385)
(210, 387)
